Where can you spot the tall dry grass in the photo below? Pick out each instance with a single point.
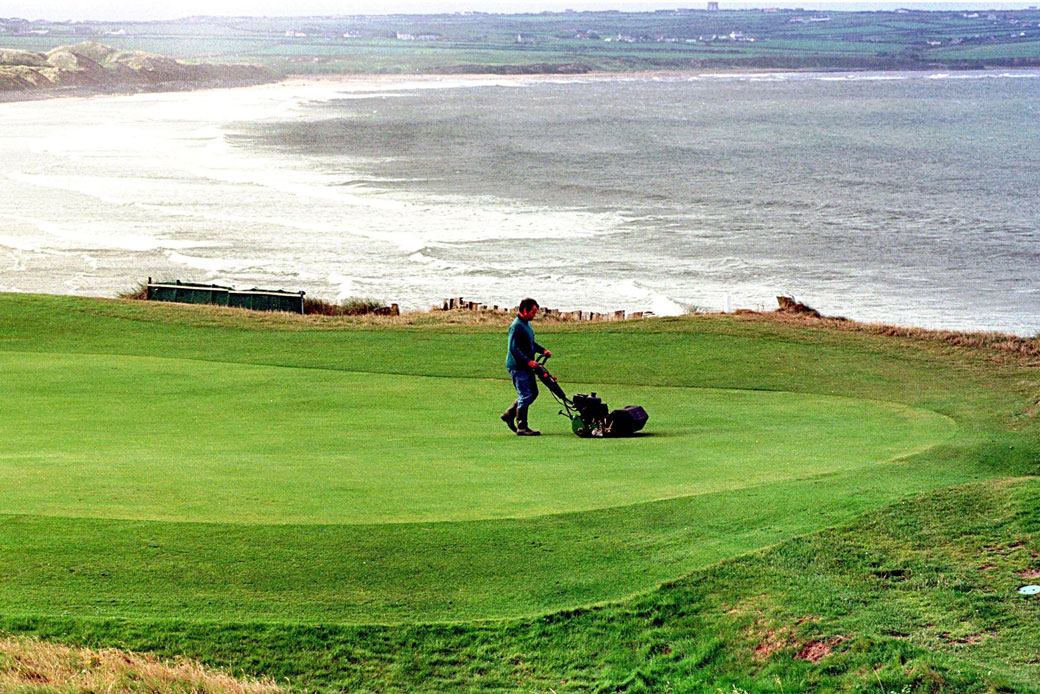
(1020, 349)
(29, 666)
(353, 306)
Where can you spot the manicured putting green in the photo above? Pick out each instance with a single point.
(113, 436)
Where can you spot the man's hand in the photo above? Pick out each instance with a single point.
(547, 353)
(533, 365)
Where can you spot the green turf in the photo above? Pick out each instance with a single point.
(196, 482)
(214, 442)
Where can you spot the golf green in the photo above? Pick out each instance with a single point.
(145, 438)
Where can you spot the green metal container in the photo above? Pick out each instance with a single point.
(254, 299)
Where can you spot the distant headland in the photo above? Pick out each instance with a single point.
(91, 67)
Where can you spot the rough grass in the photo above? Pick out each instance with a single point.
(32, 666)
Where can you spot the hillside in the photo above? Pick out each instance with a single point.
(93, 67)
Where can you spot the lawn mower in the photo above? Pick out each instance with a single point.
(589, 415)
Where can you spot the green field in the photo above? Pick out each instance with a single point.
(336, 504)
(606, 40)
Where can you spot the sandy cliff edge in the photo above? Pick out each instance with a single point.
(91, 67)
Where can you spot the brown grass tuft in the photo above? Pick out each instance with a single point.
(771, 641)
(967, 640)
(815, 651)
(30, 665)
(138, 293)
(788, 304)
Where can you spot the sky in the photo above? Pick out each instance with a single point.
(131, 10)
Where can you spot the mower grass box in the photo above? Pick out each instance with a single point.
(589, 415)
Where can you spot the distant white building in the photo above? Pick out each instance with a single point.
(402, 36)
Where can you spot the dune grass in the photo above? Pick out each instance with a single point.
(29, 666)
(641, 573)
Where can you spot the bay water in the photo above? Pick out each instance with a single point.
(905, 198)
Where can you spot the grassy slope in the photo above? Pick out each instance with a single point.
(917, 597)
(676, 634)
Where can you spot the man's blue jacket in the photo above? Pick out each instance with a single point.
(522, 346)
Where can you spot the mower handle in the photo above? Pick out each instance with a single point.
(542, 358)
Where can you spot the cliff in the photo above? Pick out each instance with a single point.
(93, 67)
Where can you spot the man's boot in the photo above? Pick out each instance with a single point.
(521, 423)
(509, 416)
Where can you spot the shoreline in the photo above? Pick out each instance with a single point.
(21, 95)
(377, 80)
(332, 78)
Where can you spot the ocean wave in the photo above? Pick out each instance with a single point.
(225, 264)
(79, 235)
(634, 291)
(97, 187)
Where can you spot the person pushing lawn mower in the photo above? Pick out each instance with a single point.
(520, 361)
(589, 416)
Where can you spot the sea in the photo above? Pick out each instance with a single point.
(909, 198)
